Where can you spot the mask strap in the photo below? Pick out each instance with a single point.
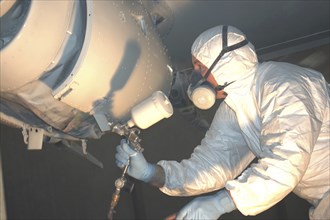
(224, 37)
(221, 87)
(225, 49)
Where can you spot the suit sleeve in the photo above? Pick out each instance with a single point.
(222, 155)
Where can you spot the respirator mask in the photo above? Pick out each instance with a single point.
(200, 91)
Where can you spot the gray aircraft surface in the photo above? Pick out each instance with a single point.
(67, 64)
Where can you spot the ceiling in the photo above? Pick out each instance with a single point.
(276, 28)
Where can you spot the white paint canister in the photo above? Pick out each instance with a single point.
(151, 111)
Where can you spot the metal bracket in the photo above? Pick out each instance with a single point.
(81, 150)
(33, 137)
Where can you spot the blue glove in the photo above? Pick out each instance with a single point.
(207, 207)
(138, 168)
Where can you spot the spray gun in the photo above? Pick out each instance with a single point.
(134, 141)
(145, 114)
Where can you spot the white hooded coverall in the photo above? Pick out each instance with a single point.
(277, 112)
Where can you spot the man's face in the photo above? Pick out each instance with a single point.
(202, 69)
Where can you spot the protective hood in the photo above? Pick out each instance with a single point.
(233, 65)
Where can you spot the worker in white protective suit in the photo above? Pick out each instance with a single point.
(276, 112)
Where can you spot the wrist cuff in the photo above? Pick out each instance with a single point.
(226, 201)
(149, 173)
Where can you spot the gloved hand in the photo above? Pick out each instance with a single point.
(138, 168)
(207, 207)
